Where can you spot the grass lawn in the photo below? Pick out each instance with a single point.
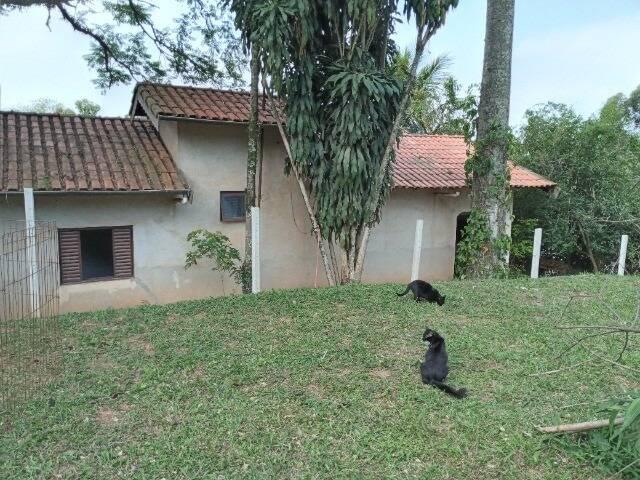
(323, 384)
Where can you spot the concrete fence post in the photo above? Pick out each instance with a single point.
(535, 260)
(255, 250)
(417, 250)
(622, 259)
(32, 253)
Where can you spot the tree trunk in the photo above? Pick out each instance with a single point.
(303, 189)
(587, 245)
(491, 184)
(252, 163)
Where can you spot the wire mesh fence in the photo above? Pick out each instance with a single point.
(30, 339)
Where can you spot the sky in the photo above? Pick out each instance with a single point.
(578, 52)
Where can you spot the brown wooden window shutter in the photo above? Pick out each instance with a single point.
(70, 256)
(122, 252)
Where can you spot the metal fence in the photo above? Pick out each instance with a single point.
(30, 338)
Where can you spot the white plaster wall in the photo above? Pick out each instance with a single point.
(390, 253)
(159, 247)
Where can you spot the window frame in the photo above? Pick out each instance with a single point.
(96, 279)
(233, 193)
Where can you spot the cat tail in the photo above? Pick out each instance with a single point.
(405, 292)
(457, 393)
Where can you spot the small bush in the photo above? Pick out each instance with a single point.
(217, 247)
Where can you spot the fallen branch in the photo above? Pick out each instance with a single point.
(579, 427)
(579, 341)
(613, 362)
(549, 372)
(612, 328)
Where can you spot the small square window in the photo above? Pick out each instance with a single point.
(232, 207)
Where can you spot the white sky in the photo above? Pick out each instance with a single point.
(578, 52)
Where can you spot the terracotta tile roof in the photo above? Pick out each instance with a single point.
(437, 162)
(66, 153)
(196, 103)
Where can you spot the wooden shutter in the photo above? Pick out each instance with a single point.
(70, 256)
(122, 252)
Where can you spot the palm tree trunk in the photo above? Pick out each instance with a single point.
(252, 164)
(491, 185)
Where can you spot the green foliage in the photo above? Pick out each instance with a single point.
(475, 242)
(616, 449)
(129, 44)
(437, 104)
(87, 108)
(596, 163)
(475, 238)
(326, 61)
(522, 243)
(47, 105)
(217, 247)
(632, 103)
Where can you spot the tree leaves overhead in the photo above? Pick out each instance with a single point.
(199, 45)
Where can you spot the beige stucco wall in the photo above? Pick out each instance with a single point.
(159, 227)
(390, 253)
(212, 157)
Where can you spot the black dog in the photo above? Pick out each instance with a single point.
(423, 290)
(435, 368)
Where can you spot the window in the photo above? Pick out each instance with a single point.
(92, 254)
(232, 207)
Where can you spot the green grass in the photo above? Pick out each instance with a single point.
(323, 384)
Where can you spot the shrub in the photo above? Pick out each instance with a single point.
(615, 449)
(217, 247)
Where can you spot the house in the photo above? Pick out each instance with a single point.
(125, 192)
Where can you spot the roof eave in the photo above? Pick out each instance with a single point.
(208, 120)
(183, 191)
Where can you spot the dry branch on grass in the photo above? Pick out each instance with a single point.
(579, 427)
(621, 327)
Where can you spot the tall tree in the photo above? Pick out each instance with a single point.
(491, 193)
(326, 62)
(253, 133)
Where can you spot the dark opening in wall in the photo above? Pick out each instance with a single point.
(97, 253)
(461, 222)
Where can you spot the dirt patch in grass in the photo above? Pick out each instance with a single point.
(315, 390)
(102, 362)
(381, 373)
(107, 417)
(285, 321)
(89, 326)
(139, 343)
(198, 372)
